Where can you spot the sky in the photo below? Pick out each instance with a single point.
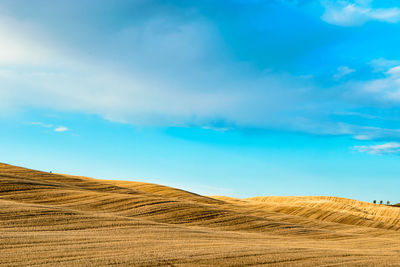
(219, 97)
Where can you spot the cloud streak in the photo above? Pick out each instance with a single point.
(381, 149)
(356, 13)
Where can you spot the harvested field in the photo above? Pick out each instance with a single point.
(53, 219)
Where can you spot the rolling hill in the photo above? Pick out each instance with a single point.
(52, 219)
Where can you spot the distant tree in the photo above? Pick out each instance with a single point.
(381, 202)
(388, 202)
(374, 201)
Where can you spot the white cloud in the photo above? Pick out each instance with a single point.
(395, 71)
(384, 90)
(355, 13)
(383, 64)
(381, 149)
(154, 90)
(61, 129)
(343, 71)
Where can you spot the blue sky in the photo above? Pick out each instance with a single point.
(239, 98)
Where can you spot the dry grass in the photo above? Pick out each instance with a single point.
(54, 219)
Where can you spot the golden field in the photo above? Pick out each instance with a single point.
(61, 220)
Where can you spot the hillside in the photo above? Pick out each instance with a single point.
(55, 219)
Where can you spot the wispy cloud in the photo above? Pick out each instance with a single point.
(383, 64)
(356, 13)
(381, 90)
(381, 149)
(343, 71)
(373, 133)
(51, 126)
(61, 129)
